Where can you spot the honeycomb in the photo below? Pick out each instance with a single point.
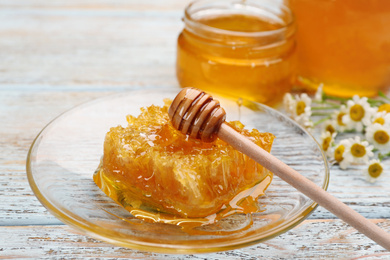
(151, 166)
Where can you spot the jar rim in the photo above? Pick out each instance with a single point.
(287, 29)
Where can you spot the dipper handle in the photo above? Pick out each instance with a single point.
(197, 114)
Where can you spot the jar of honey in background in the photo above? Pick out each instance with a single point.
(344, 44)
(242, 48)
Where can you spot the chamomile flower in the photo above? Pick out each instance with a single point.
(381, 117)
(379, 136)
(330, 126)
(302, 105)
(327, 141)
(299, 108)
(334, 117)
(384, 107)
(303, 110)
(359, 113)
(339, 153)
(319, 93)
(305, 122)
(374, 170)
(289, 103)
(359, 151)
(337, 116)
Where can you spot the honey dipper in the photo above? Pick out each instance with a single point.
(197, 114)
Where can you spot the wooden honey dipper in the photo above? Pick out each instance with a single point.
(197, 114)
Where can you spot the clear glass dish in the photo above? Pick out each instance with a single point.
(65, 154)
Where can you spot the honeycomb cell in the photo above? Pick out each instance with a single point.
(150, 166)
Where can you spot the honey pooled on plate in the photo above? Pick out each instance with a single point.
(150, 167)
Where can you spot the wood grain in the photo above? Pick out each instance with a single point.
(57, 54)
(307, 241)
(60, 43)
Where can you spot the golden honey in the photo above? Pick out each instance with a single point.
(238, 48)
(344, 44)
(160, 175)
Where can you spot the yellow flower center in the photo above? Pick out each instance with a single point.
(384, 107)
(330, 129)
(358, 150)
(381, 137)
(301, 107)
(340, 118)
(338, 153)
(375, 170)
(356, 112)
(326, 143)
(379, 120)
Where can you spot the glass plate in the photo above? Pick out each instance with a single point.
(65, 154)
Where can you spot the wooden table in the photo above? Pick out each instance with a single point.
(57, 54)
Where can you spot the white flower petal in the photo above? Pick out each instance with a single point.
(371, 132)
(371, 178)
(319, 94)
(351, 121)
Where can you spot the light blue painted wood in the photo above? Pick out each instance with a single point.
(55, 55)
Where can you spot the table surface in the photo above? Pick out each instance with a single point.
(55, 55)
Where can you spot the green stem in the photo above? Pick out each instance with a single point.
(375, 102)
(350, 131)
(325, 108)
(332, 103)
(321, 120)
(383, 156)
(382, 95)
(320, 114)
(336, 98)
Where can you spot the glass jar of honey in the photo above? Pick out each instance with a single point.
(344, 44)
(242, 48)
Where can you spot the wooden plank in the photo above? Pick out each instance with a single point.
(23, 115)
(122, 47)
(57, 54)
(96, 4)
(323, 239)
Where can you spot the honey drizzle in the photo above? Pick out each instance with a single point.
(243, 203)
